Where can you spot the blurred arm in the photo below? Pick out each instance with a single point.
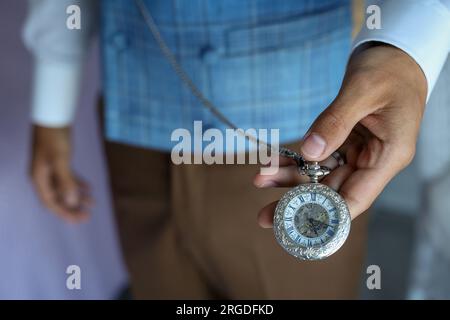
(58, 57)
(419, 28)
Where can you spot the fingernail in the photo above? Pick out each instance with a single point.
(265, 226)
(313, 146)
(268, 184)
(71, 199)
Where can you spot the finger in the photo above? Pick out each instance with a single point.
(338, 176)
(361, 189)
(68, 188)
(68, 215)
(280, 162)
(72, 192)
(377, 164)
(265, 215)
(83, 185)
(287, 176)
(331, 129)
(72, 200)
(67, 196)
(48, 196)
(85, 191)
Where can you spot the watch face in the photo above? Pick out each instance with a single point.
(311, 221)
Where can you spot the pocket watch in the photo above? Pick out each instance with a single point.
(312, 221)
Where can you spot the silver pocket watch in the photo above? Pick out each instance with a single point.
(312, 221)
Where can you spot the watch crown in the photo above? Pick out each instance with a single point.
(314, 171)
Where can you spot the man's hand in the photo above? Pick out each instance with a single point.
(374, 121)
(57, 186)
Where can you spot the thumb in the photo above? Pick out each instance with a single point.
(330, 130)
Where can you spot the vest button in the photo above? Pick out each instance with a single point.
(209, 54)
(120, 41)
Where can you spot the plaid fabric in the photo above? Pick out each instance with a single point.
(264, 63)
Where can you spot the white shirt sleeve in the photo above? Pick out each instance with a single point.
(58, 57)
(421, 28)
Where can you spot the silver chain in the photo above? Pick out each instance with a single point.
(168, 54)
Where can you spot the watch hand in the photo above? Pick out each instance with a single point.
(318, 221)
(314, 228)
(307, 215)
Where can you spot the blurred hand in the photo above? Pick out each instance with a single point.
(374, 121)
(57, 186)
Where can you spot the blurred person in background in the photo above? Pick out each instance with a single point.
(431, 259)
(189, 231)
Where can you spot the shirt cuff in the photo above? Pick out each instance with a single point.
(419, 28)
(55, 92)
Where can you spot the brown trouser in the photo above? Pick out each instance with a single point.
(190, 231)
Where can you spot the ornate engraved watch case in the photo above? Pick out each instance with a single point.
(312, 221)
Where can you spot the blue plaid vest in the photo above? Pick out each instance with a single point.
(264, 63)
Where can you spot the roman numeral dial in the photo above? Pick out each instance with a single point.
(310, 219)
